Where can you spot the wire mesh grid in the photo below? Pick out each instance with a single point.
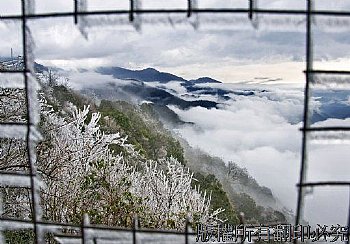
(27, 130)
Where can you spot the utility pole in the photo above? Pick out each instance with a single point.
(11, 53)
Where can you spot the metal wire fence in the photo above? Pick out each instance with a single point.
(134, 16)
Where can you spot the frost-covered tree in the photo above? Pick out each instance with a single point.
(12, 105)
(67, 159)
(13, 153)
(85, 170)
(80, 168)
(170, 196)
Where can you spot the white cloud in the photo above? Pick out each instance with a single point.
(173, 87)
(230, 56)
(261, 133)
(90, 79)
(44, 6)
(10, 7)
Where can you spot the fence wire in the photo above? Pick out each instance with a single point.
(136, 16)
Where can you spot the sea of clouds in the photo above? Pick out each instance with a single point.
(261, 133)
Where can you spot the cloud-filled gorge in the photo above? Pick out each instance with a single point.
(257, 127)
(261, 133)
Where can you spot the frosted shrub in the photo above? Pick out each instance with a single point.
(88, 171)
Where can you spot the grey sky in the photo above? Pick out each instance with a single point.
(227, 55)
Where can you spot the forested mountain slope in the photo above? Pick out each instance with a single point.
(114, 160)
(142, 123)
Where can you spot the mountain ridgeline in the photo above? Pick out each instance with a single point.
(150, 75)
(147, 126)
(333, 103)
(136, 104)
(146, 75)
(231, 186)
(139, 88)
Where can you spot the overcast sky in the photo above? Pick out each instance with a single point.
(230, 53)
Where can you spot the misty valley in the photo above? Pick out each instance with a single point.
(119, 136)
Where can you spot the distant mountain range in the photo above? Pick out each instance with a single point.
(145, 75)
(161, 96)
(140, 89)
(202, 88)
(150, 75)
(334, 104)
(330, 107)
